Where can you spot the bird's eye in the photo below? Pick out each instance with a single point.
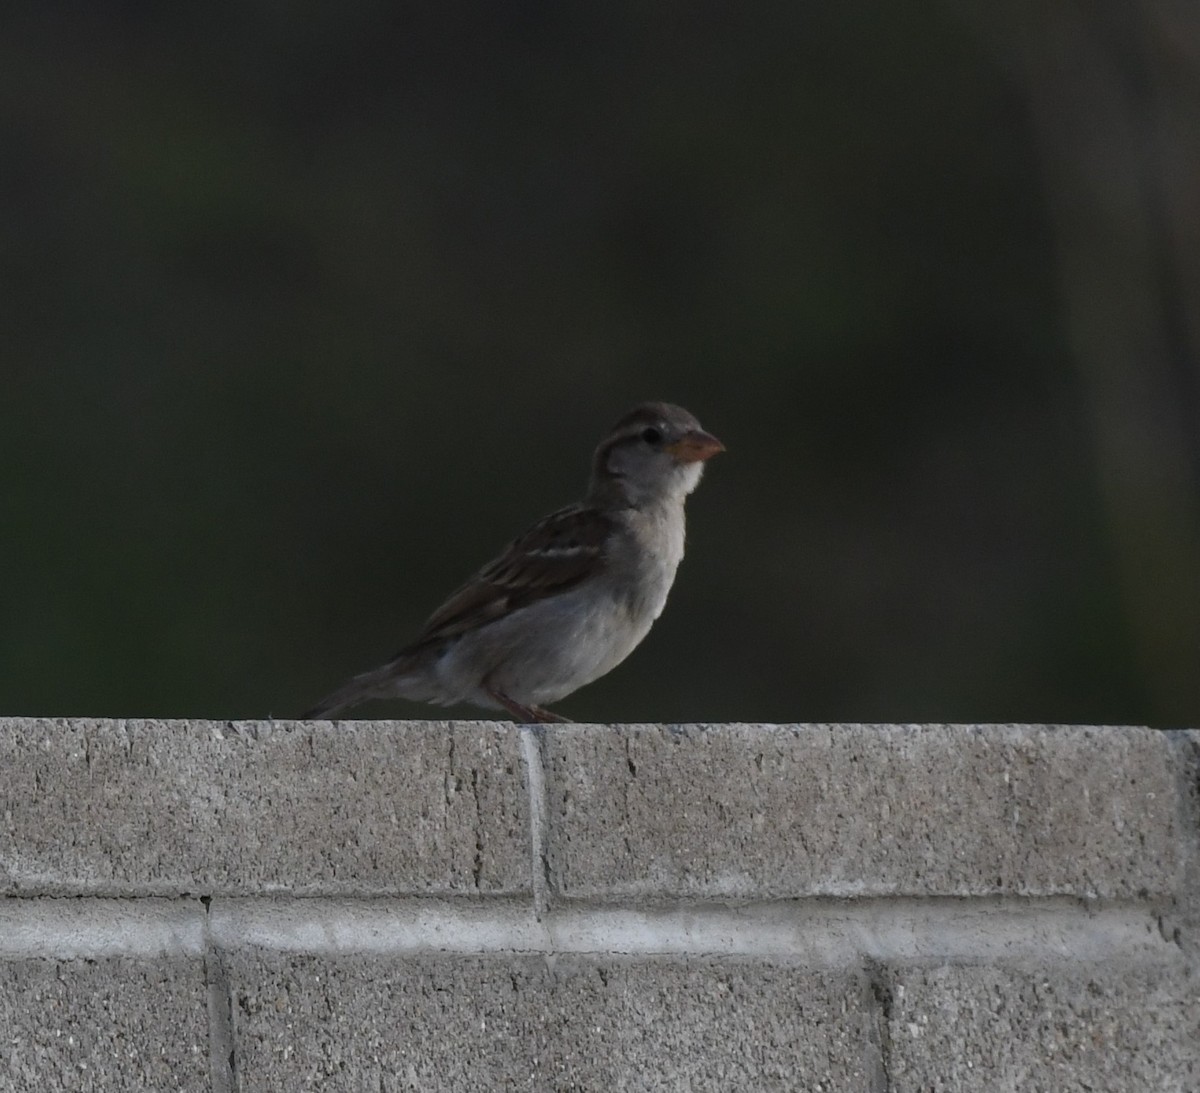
(652, 436)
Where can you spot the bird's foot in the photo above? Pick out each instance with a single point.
(549, 717)
(527, 715)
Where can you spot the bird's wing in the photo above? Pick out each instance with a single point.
(556, 553)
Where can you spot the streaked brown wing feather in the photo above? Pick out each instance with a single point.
(556, 553)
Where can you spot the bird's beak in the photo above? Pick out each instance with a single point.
(695, 447)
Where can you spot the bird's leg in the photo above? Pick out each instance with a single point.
(523, 714)
(549, 716)
(527, 715)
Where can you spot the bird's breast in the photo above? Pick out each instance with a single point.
(642, 564)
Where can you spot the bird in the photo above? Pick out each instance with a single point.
(568, 600)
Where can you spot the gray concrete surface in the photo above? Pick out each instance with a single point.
(748, 811)
(434, 906)
(1182, 920)
(1094, 1028)
(471, 1023)
(173, 807)
(103, 1025)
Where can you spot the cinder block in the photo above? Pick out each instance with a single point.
(518, 1022)
(1182, 923)
(103, 1025)
(1127, 1029)
(757, 811)
(170, 807)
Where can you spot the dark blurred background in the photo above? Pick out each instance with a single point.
(308, 308)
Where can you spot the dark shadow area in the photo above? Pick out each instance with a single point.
(308, 309)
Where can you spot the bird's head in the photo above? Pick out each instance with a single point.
(656, 452)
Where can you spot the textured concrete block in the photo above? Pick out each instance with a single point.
(1183, 920)
(754, 811)
(103, 1025)
(471, 1023)
(1132, 1030)
(167, 807)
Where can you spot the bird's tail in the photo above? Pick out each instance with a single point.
(379, 683)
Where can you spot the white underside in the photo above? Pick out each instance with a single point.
(543, 652)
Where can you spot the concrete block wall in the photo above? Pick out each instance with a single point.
(384, 906)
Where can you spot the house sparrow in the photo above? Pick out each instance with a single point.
(571, 598)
